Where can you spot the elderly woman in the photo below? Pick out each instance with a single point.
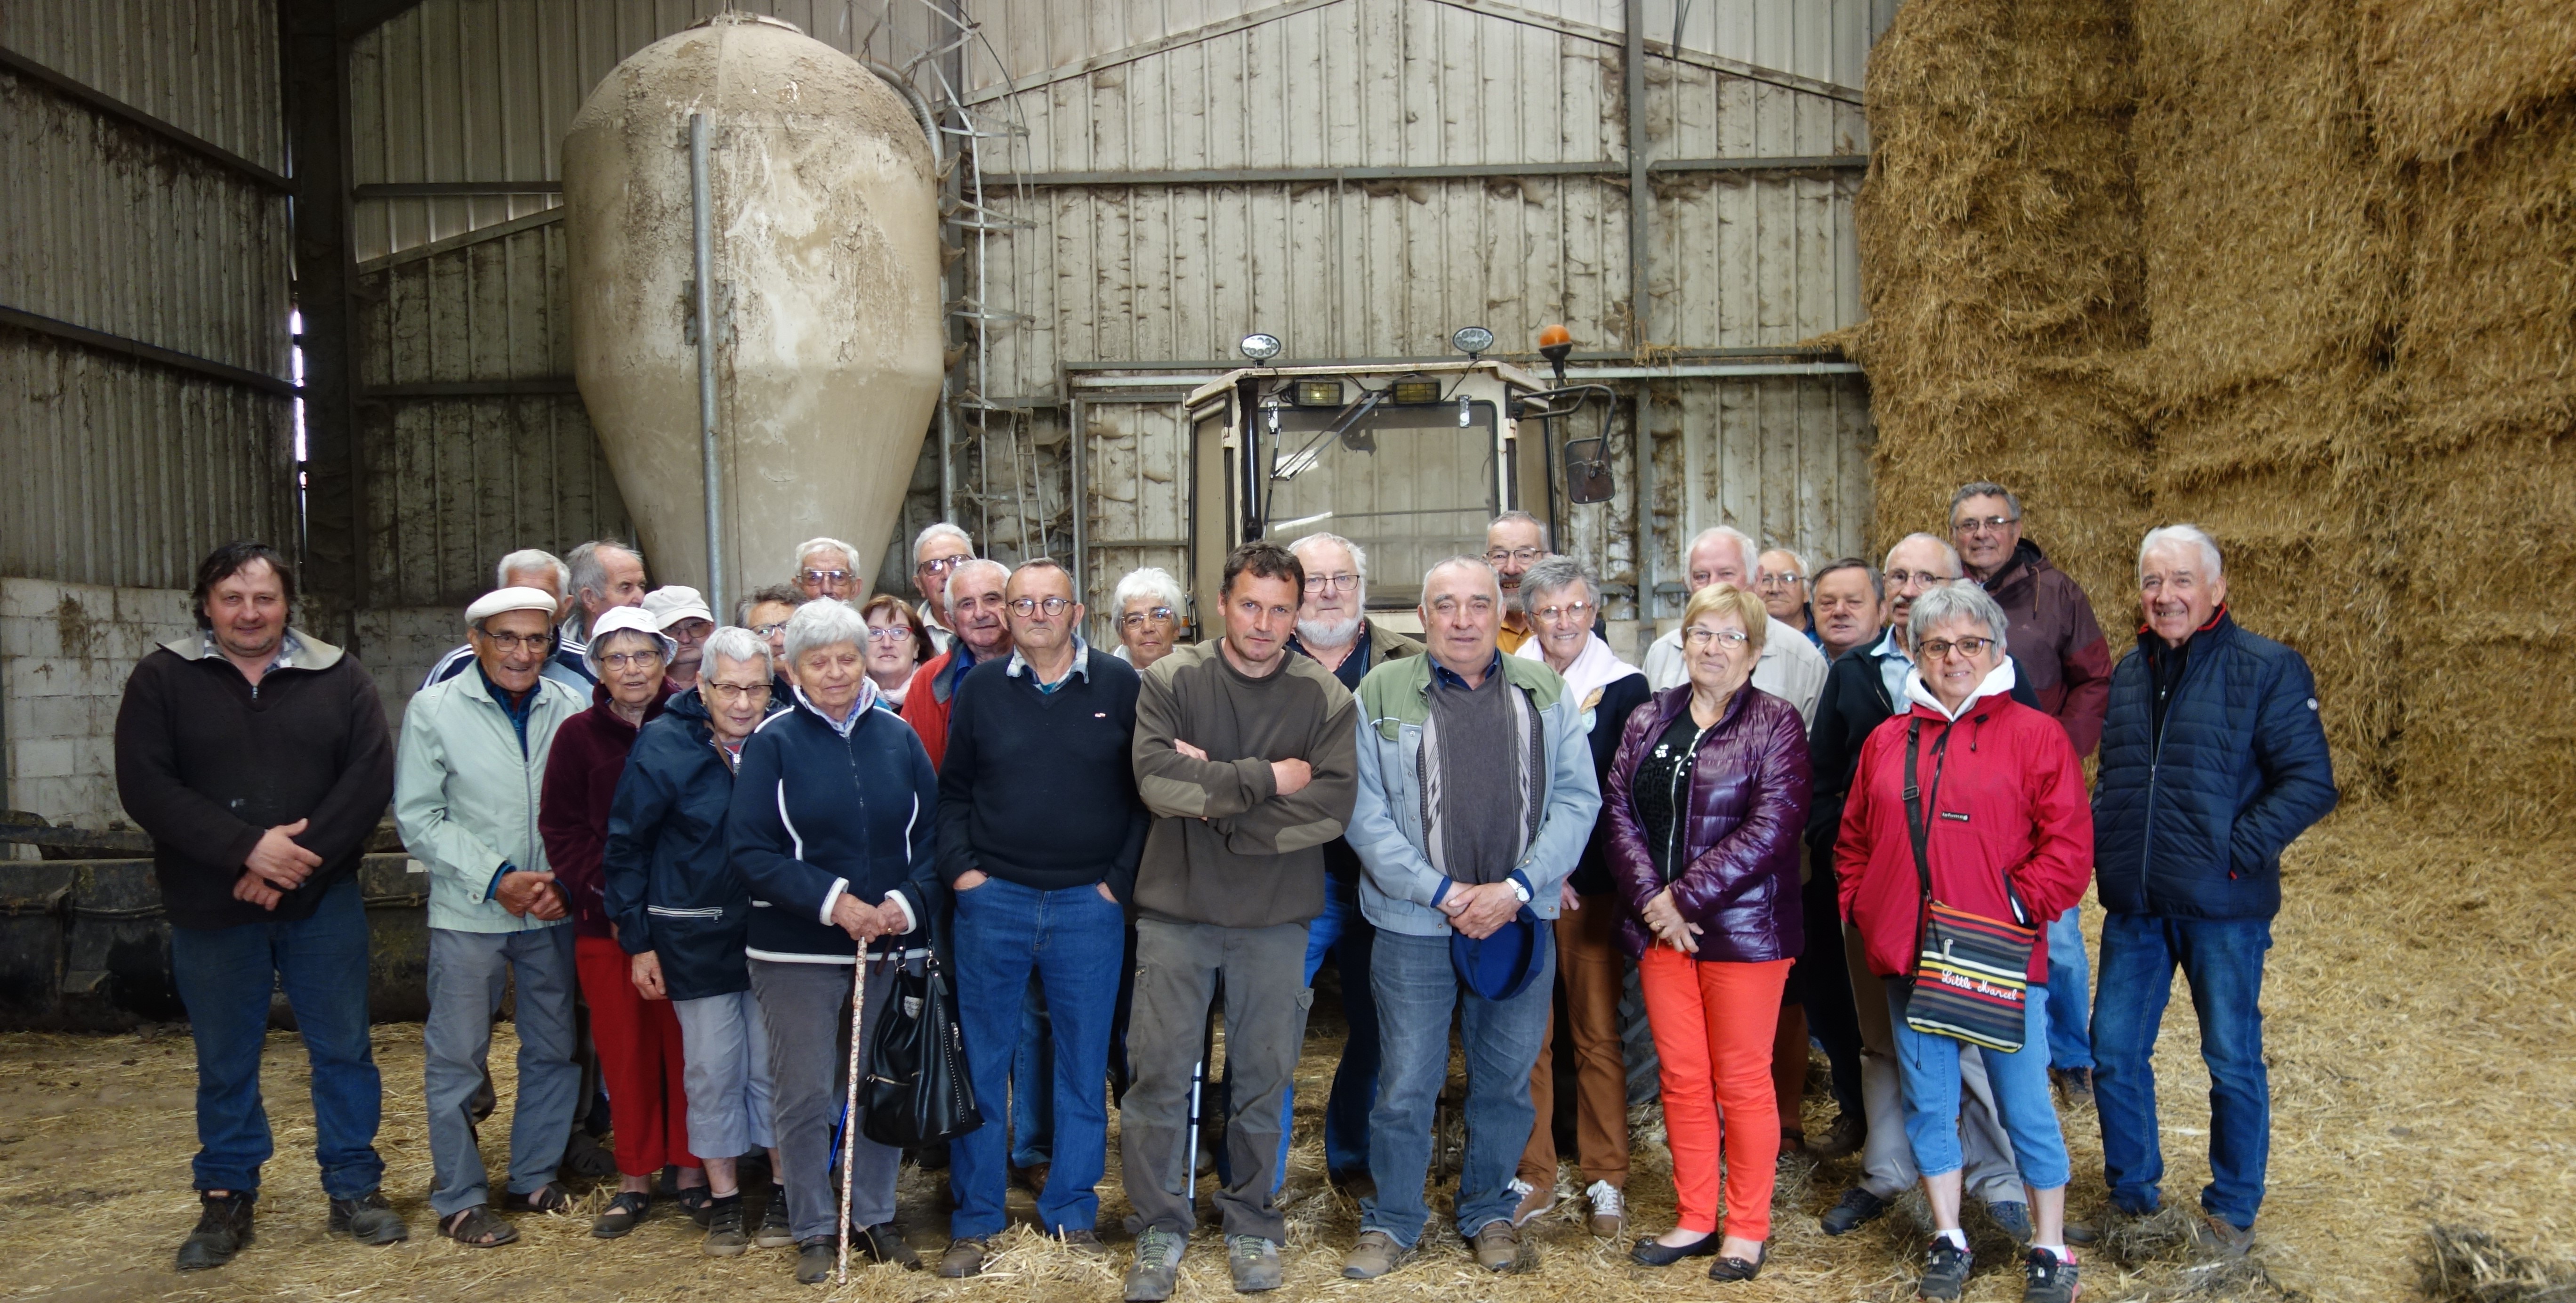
(897, 645)
(1148, 603)
(1997, 822)
(680, 912)
(1562, 598)
(830, 826)
(1707, 799)
(637, 1038)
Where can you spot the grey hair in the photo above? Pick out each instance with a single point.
(1985, 489)
(1877, 581)
(949, 593)
(1555, 574)
(1794, 559)
(742, 647)
(1359, 556)
(1520, 517)
(939, 529)
(1153, 583)
(1954, 600)
(823, 623)
(589, 573)
(1471, 562)
(1934, 539)
(780, 594)
(529, 558)
(813, 545)
(2166, 535)
(596, 651)
(1743, 543)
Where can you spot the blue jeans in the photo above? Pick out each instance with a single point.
(1416, 989)
(224, 976)
(1929, 1066)
(2070, 1039)
(1033, 1083)
(2223, 961)
(1073, 940)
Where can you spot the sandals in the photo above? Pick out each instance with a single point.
(698, 1202)
(548, 1198)
(477, 1228)
(625, 1213)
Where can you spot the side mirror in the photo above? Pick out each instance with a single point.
(1587, 471)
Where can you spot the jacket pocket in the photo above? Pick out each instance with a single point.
(711, 913)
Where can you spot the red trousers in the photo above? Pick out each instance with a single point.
(639, 1060)
(1713, 1026)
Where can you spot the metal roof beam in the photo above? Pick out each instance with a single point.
(1758, 164)
(107, 105)
(103, 342)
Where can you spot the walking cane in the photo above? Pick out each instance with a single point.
(850, 1111)
(1198, 1077)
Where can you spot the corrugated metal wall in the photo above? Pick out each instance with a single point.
(123, 472)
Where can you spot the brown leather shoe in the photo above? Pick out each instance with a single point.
(1498, 1247)
(965, 1257)
(1375, 1255)
(1609, 1210)
(1535, 1200)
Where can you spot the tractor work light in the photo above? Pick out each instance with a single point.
(1415, 389)
(1472, 340)
(1259, 347)
(1317, 393)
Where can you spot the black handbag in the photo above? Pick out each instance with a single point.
(917, 1091)
(1971, 973)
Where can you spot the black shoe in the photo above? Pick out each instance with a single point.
(885, 1244)
(725, 1235)
(2047, 1278)
(1945, 1271)
(1858, 1208)
(626, 1210)
(2012, 1217)
(1732, 1269)
(1649, 1253)
(814, 1260)
(774, 1232)
(368, 1219)
(223, 1229)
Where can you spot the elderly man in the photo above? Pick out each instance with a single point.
(256, 756)
(1849, 598)
(1243, 753)
(2216, 731)
(939, 550)
(976, 604)
(1780, 577)
(530, 568)
(2054, 638)
(683, 617)
(765, 612)
(466, 783)
(1791, 668)
(1147, 606)
(1514, 543)
(1039, 833)
(1863, 690)
(825, 567)
(605, 574)
(1476, 798)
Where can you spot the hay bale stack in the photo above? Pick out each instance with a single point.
(1997, 233)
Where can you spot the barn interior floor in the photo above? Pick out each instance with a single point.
(2423, 1070)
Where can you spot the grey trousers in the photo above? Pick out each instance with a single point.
(805, 1009)
(724, 1055)
(466, 973)
(1887, 1162)
(1266, 997)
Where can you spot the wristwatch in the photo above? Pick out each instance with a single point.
(1519, 890)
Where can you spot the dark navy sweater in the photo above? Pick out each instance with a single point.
(816, 810)
(1037, 787)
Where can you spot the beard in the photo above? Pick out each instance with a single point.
(1328, 633)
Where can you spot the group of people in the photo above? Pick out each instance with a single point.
(673, 841)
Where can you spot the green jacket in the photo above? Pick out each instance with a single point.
(465, 795)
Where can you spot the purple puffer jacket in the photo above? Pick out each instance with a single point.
(1748, 803)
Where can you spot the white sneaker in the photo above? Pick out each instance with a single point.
(1609, 1210)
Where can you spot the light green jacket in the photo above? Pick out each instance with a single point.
(465, 796)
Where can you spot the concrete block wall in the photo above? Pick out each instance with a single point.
(65, 652)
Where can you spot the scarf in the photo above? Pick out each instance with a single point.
(1594, 668)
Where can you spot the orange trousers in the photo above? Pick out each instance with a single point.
(1713, 1025)
(639, 1060)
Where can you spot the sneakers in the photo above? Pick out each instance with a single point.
(1945, 1271)
(1254, 1262)
(368, 1219)
(725, 1237)
(1087, 1242)
(2074, 1086)
(1609, 1210)
(223, 1229)
(2047, 1278)
(2012, 1217)
(1373, 1256)
(965, 1257)
(1498, 1247)
(774, 1232)
(1157, 1266)
(1532, 1200)
(1858, 1208)
(2215, 1237)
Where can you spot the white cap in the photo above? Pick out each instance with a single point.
(673, 603)
(624, 619)
(510, 599)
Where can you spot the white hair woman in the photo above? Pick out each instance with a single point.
(1148, 603)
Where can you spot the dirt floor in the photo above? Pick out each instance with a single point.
(2423, 1071)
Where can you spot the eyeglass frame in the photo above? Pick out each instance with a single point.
(1982, 524)
(510, 642)
(732, 690)
(1582, 611)
(624, 660)
(1498, 556)
(940, 565)
(1700, 635)
(1344, 583)
(1027, 608)
(1137, 619)
(1933, 649)
(819, 577)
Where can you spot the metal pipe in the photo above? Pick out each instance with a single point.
(1079, 444)
(1645, 500)
(1640, 303)
(702, 219)
(947, 452)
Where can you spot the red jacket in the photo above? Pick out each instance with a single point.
(589, 757)
(2011, 801)
(925, 703)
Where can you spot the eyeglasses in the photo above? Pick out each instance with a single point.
(629, 660)
(819, 577)
(1982, 524)
(1579, 612)
(1331, 583)
(942, 565)
(1137, 619)
(1909, 578)
(1777, 578)
(739, 691)
(1024, 607)
(769, 630)
(1700, 635)
(1504, 555)
(889, 633)
(1934, 649)
(511, 642)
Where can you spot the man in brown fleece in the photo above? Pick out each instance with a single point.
(1247, 757)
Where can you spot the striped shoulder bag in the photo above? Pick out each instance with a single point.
(1971, 973)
